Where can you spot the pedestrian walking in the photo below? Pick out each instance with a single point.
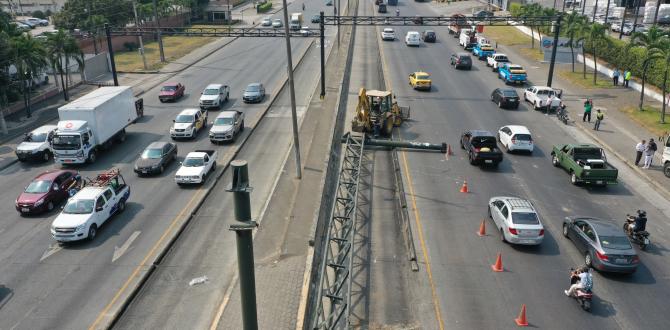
(599, 118)
(649, 152)
(639, 150)
(615, 77)
(588, 105)
(626, 77)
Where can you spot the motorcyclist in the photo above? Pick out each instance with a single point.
(585, 281)
(640, 223)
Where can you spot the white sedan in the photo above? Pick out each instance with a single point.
(388, 34)
(516, 220)
(515, 138)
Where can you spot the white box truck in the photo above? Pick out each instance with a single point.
(91, 123)
(296, 21)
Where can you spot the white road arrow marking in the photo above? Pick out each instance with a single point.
(119, 251)
(53, 248)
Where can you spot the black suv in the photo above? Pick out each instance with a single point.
(429, 36)
(481, 147)
(461, 61)
(505, 97)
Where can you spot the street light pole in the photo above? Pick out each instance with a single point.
(137, 25)
(111, 54)
(557, 32)
(294, 115)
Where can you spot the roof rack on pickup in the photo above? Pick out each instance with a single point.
(519, 203)
(111, 178)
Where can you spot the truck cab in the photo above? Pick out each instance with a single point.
(91, 207)
(73, 142)
(467, 39)
(296, 21)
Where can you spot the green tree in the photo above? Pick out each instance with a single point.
(62, 48)
(572, 27)
(29, 57)
(75, 13)
(5, 80)
(596, 34)
(653, 42)
(666, 61)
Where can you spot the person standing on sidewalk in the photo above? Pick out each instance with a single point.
(615, 77)
(599, 118)
(626, 77)
(639, 150)
(649, 153)
(588, 105)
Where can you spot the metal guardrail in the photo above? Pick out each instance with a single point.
(401, 209)
(334, 297)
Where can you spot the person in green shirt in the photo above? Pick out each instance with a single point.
(588, 105)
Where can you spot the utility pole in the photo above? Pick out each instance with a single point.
(557, 32)
(111, 54)
(160, 39)
(245, 244)
(637, 9)
(137, 25)
(607, 11)
(623, 20)
(322, 39)
(594, 12)
(294, 115)
(338, 23)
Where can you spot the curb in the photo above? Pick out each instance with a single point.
(664, 191)
(153, 264)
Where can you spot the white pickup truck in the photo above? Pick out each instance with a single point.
(91, 207)
(226, 126)
(496, 60)
(539, 97)
(195, 167)
(36, 144)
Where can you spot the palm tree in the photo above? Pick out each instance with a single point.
(574, 24)
(5, 53)
(62, 48)
(530, 11)
(583, 28)
(72, 51)
(653, 42)
(29, 57)
(596, 33)
(666, 59)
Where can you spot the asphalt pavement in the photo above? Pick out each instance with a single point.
(47, 286)
(469, 295)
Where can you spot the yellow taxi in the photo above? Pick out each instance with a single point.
(420, 80)
(188, 123)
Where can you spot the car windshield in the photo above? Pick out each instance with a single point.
(211, 91)
(588, 153)
(193, 162)
(502, 59)
(39, 137)
(615, 242)
(38, 187)
(255, 88)
(184, 119)
(483, 141)
(422, 77)
(152, 153)
(465, 58)
(79, 206)
(223, 121)
(169, 88)
(388, 30)
(523, 137)
(510, 93)
(525, 218)
(66, 142)
(515, 68)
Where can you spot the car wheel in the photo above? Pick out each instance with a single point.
(587, 260)
(666, 169)
(554, 161)
(46, 155)
(565, 230)
(573, 178)
(50, 206)
(92, 231)
(488, 209)
(242, 126)
(162, 169)
(500, 104)
(92, 157)
(472, 160)
(162, 101)
(502, 236)
(193, 133)
(122, 206)
(525, 98)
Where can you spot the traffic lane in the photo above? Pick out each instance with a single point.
(207, 247)
(40, 245)
(495, 124)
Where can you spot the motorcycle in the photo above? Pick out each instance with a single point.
(562, 114)
(640, 237)
(582, 296)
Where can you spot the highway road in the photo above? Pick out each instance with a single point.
(468, 294)
(47, 286)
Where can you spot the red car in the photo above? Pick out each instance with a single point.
(171, 91)
(46, 191)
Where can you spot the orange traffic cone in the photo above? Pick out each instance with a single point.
(464, 187)
(482, 229)
(449, 151)
(521, 320)
(498, 266)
